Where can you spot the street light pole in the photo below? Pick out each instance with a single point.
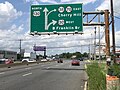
(99, 39)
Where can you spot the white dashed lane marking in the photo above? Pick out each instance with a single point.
(28, 68)
(26, 74)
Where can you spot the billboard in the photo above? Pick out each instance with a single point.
(56, 18)
(39, 48)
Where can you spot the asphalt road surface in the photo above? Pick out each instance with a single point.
(44, 76)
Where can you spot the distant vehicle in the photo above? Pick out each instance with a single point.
(60, 61)
(48, 58)
(6, 61)
(53, 58)
(9, 61)
(29, 57)
(24, 60)
(75, 62)
(43, 60)
(2, 61)
(81, 59)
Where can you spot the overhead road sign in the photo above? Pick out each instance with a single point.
(52, 19)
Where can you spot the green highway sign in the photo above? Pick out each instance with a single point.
(56, 18)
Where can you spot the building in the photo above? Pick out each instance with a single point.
(8, 54)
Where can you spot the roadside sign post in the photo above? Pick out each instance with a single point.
(61, 18)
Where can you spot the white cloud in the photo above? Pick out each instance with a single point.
(49, 1)
(78, 1)
(8, 12)
(106, 5)
(12, 32)
(9, 32)
(9, 38)
(61, 1)
(38, 1)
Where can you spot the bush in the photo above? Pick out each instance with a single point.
(97, 80)
(114, 70)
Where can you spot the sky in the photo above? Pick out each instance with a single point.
(15, 26)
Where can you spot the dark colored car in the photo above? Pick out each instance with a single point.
(60, 61)
(75, 62)
(81, 59)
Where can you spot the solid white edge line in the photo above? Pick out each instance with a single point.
(85, 86)
(26, 74)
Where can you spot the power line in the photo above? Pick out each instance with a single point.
(117, 17)
(117, 12)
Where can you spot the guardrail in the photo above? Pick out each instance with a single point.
(20, 63)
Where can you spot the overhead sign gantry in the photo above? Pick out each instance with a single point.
(66, 19)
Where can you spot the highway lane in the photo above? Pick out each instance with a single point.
(47, 76)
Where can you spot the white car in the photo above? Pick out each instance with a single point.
(28, 60)
(43, 60)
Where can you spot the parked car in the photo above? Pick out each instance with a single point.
(9, 61)
(24, 60)
(6, 61)
(48, 59)
(44, 60)
(75, 62)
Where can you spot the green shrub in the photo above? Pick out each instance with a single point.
(115, 70)
(97, 80)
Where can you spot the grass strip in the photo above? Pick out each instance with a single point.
(97, 79)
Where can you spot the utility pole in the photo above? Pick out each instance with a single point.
(95, 45)
(113, 31)
(107, 38)
(20, 49)
(91, 47)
